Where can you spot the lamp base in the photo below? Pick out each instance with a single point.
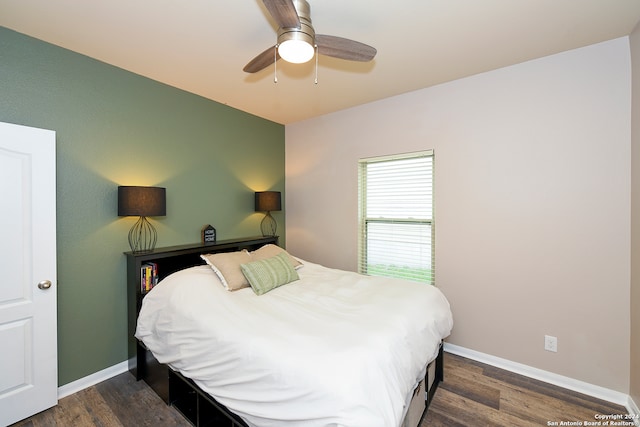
(142, 236)
(268, 225)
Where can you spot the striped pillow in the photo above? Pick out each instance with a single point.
(267, 274)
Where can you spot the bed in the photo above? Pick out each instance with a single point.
(325, 348)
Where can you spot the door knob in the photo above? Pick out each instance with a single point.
(45, 284)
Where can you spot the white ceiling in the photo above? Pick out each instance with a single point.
(201, 46)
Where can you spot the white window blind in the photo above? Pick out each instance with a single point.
(396, 216)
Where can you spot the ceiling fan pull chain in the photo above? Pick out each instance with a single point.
(275, 63)
(316, 46)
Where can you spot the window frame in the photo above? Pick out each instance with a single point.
(364, 221)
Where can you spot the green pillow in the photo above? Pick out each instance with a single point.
(267, 274)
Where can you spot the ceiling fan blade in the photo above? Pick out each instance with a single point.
(262, 61)
(284, 13)
(342, 48)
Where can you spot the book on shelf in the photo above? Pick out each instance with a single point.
(148, 276)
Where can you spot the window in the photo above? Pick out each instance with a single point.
(396, 216)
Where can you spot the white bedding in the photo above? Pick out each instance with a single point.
(332, 349)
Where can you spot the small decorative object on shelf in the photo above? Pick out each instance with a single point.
(208, 234)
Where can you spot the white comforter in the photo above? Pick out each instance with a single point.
(332, 349)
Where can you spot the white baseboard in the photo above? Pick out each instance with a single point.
(547, 377)
(93, 379)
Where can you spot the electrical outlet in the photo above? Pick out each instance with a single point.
(551, 343)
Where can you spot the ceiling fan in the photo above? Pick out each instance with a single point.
(298, 41)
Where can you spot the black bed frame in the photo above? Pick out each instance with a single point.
(196, 405)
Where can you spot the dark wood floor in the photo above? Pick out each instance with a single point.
(475, 394)
(472, 394)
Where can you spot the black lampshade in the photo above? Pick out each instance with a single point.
(142, 201)
(268, 201)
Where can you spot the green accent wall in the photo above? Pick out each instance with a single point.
(115, 128)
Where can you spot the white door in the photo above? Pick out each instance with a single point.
(28, 330)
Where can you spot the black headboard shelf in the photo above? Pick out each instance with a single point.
(174, 258)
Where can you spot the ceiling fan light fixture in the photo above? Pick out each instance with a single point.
(297, 41)
(296, 51)
(297, 45)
